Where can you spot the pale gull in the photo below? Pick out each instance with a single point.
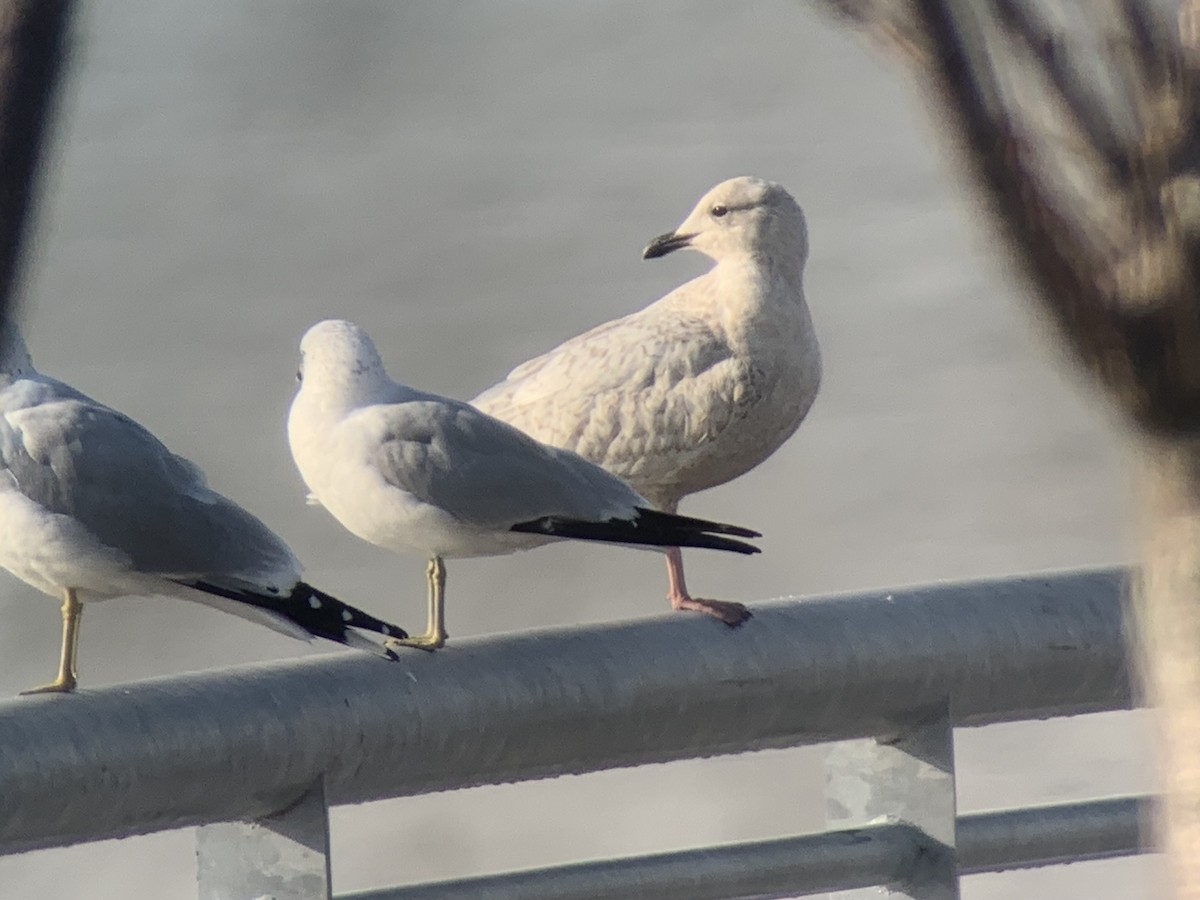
(699, 387)
(93, 506)
(415, 472)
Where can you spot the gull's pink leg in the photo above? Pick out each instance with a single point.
(729, 612)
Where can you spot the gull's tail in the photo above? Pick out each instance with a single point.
(307, 612)
(649, 527)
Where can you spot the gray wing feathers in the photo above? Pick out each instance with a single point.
(79, 458)
(486, 473)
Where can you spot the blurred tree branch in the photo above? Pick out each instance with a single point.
(1079, 121)
(32, 41)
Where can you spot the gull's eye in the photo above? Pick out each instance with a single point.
(299, 376)
(719, 210)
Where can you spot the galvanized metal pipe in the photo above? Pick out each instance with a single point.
(833, 861)
(246, 742)
(812, 864)
(1046, 835)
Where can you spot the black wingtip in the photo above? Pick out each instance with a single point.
(318, 613)
(700, 524)
(649, 528)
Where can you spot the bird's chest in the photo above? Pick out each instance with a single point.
(755, 402)
(767, 399)
(774, 373)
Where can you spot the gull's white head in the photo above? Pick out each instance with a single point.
(338, 354)
(741, 216)
(14, 355)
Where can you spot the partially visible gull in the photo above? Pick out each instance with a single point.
(699, 387)
(93, 506)
(416, 472)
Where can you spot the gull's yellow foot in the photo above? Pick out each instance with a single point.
(435, 635)
(433, 640)
(72, 611)
(63, 684)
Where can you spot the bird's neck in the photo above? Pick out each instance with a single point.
(332, 400)
(785, 267)
(760, 278)
(316, 411)
(751, 297)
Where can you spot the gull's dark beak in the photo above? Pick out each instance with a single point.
(666, 243)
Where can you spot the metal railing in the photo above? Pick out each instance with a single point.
(888, 673)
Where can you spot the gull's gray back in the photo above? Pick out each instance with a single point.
(78, 458)
(482, 471)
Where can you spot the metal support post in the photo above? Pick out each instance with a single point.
(906, 779)
(281, 857)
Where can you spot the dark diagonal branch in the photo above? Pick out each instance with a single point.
(32, 41)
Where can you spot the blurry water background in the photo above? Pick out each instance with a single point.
(473, 182)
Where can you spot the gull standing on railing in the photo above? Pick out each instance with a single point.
(93, 506)
(416, 472)
(698, 388)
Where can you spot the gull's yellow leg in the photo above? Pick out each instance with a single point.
(72, 611)
(435, 631)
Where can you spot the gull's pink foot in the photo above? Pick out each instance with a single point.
(731, 613)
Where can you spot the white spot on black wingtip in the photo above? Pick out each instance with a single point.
(347, 616)
(314, 602)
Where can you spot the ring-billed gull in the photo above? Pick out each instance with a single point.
(416, 472)
(92, 506)
(699, 387)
